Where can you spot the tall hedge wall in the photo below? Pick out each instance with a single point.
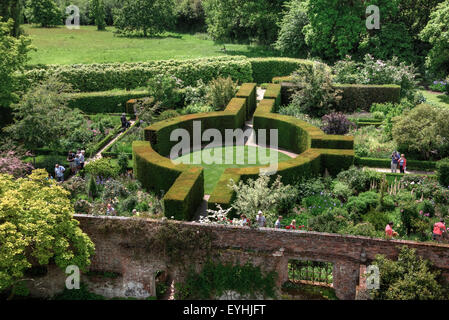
(186, 195)
(103, 102)
(354, 96)
(264, 69)
(248, 91)
(273, 91)
(108, 76)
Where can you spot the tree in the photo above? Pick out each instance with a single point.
(151, 17)
(243, 20)
(291, 39)
(12, 9)
(36, 227)
(260, 194)
(436, 33)
(408, 278)
(43, 12)
(42, 117)
(423, 130)
(98, 14)
(14, 53)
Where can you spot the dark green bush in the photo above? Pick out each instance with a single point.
(264, 69)
(443, 172)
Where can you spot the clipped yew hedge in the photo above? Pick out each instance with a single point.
(273, 91)
(103, 102)
(264, 69)
(248, 91)
(108, 76)
(185, 196)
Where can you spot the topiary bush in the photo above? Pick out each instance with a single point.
(443, 172)
(336, 123)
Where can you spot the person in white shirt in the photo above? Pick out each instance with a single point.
(277, 224)
(81, 157)
(59, 173)
(260, 219)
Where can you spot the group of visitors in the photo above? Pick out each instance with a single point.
(398, 160)
(261, 221)
(439, 231)
(76, 160)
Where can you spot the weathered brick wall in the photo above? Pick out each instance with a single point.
(126, 250)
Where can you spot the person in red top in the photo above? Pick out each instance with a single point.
(402, 164)
(389, 232)
(438, 229)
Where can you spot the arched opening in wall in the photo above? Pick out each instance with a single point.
(163, 282)
(309, 280)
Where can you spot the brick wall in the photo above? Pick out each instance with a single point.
(127, 251)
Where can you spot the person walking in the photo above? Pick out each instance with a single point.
(77, 163)
(394, 161)
(125, 123)
(389, 232)
(438, 229)
(59, 173)
(402, 164)
(82, 159)
(260, 219)
(277, 224)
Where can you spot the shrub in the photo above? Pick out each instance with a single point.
(103, 168)
(168, 114)
(332, 221)
(409, 213)
(315, 94)
(220, 91)
(342, 191)
(423, 130)
(357, 206)
(358, 180)
(165, 90)
(196, 94)
(378, 219)
(443, 172)
(264, 69)
(123, 162)
(408, 278)
(11, 164)
(114, 189)
(361, 229)
(336, 123)
(197, 108)
(439, 86)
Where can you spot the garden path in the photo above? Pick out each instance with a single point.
(407, 171)
(98, 155)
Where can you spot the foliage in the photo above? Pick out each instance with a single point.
(437, 34)
(409, 278)
(291, 39)
(423, 130)
(315, 95)
(82, 294)
(442, 171)
(239, 20)
(197, 108)
(220, 91)
(317, 204)
(330, 221)
(358, 180)
(342, 190)
(37, 227)
(168, 114)
(374, 71)
(43, 111)
(43, 12)
(12, 165)
(439, 86)
(150, 17)
(103, 168)
(123, 162)
(195, 94)
(361, 229)
(336, 123)
(98, 14)
(361, 204)
(165, 90)
(293, 111)
(14, 53)
(216, 279)
(255, 195)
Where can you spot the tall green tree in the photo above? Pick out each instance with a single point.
(243, 20)
(149, 17)
(12, 9)
(436, 33)
(43, 12)
(14, 53)
(98, 14)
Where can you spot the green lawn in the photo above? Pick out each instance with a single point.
(87, 45)
(213, 172)
(436, 99)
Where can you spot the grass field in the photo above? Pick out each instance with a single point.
(213, 172)
(436, 99)
(87, 45)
